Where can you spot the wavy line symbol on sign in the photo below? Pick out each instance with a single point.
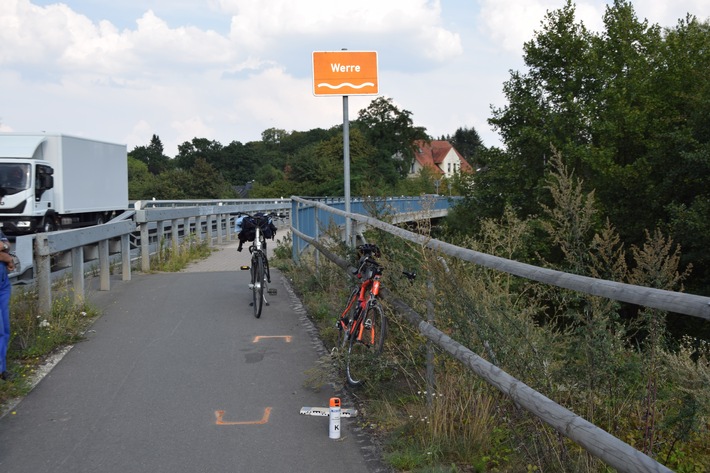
(346, 84)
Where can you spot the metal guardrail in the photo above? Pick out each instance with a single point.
(309, 218)
(593, 439)
(263, 204)
(132, 235)
(678, 302)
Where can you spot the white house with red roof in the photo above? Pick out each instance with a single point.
(439, 156)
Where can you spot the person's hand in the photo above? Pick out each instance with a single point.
(6, 258)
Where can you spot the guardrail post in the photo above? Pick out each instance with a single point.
(104, 267)
(77, 264)
(145, 248)
(197, 225)
(218, 217)
(174, 236)
(43, 265)
(125, 258)
(209, 230)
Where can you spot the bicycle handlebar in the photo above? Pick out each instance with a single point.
(368, 261)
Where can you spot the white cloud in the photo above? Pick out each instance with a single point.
(228, 69)
(513, 22)
(192, 127)
(57, 38)
(262, 24)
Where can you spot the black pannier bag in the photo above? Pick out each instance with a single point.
(269, 229)
(248, 229)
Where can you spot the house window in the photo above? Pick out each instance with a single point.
(448, 168)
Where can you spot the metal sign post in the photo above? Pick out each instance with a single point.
(345, 73)
(346, 170)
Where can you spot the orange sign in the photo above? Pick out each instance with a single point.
(345, 73)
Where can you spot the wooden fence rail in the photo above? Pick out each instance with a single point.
(678, 302)
(594, 440)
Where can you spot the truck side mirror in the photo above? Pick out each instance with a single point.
(46, 181)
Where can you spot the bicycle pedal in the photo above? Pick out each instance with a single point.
(272, 291)
(368, 324)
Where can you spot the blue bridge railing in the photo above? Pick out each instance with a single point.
(310, 220)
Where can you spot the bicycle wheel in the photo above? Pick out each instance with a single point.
(346, 318)
(365, 344)
(257, 281)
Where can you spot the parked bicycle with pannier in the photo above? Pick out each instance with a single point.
(257, 228)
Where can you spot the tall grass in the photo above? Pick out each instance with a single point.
(170, 259)
(611, 364)
(35, 335)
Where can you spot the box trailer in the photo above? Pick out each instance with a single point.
(54, 181)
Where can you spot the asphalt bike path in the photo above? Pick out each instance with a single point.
(178, 375)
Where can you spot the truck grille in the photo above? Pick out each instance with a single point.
(16, 210)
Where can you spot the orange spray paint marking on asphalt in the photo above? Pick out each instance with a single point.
(263, 420)
(258, 338)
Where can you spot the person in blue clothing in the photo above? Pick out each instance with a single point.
(6, 266)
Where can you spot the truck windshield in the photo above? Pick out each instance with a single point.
(14, 177)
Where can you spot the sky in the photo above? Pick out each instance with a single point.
(227, 70)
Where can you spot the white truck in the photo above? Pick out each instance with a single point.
(54, 181)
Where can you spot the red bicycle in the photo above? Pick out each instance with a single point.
(362, 326)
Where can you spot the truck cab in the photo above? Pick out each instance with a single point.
(24, 197)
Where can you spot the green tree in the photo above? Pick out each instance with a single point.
(238, 163)
(173, 184)
(190, 151)
(317, 169)
(468, 142)
(152, 155)
(140, 180)
(624, 108)
(392, 133)
(268, 174)
(207, 183)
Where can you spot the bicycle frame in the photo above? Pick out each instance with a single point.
(259, 240)
(365, 295)
(373, 285)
